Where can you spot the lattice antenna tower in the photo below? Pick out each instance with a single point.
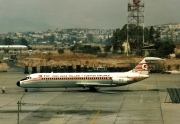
(135, 19)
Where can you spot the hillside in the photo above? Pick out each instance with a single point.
(89, 60)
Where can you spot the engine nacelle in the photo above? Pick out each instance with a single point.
(121, 80)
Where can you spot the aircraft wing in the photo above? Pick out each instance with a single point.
(94, 84)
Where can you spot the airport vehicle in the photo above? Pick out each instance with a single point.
(91, 80)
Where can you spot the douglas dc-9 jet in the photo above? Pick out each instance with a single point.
(91, 80)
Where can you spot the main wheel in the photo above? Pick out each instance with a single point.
(93, 89)
(26, 90)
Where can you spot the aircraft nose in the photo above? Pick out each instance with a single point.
(18, 83)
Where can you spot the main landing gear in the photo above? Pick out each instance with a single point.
(93, 89)
(26, 90)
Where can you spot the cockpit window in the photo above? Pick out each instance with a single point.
(28, 77)
(23, 79)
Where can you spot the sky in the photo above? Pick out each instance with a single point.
(39, 15)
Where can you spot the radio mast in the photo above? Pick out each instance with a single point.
(135, 22)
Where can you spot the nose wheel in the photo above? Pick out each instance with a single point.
(26, 90)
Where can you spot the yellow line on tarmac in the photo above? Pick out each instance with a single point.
(94, 118)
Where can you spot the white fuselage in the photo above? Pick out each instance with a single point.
(91, 80)
(59, 80)
(13, 47)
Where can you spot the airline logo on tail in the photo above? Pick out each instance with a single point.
(146, 65)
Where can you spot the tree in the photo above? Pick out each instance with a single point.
(151, 34)
(1, 40)
(77, 46)
(96, 49)
(118, 39)
(135, 41)
(52, 38)
(146, 35)
(23, 41)
(157, 35)
(8, 41)
(107, 48)
(163, 49)
(86, 48)
(60, 51)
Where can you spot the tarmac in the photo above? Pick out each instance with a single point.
(145, 102)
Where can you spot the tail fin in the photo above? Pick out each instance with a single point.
(145, 65)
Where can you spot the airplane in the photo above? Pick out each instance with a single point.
(13, 47)
(91, 80)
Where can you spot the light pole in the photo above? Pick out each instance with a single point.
(19, 107)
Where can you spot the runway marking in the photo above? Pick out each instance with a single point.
(94, 118)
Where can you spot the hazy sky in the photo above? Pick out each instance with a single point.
(36, 15)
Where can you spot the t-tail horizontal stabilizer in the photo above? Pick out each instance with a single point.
(145, 65)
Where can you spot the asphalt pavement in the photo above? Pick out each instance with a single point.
(145, 102)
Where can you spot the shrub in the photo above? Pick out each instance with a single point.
(60, 51)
